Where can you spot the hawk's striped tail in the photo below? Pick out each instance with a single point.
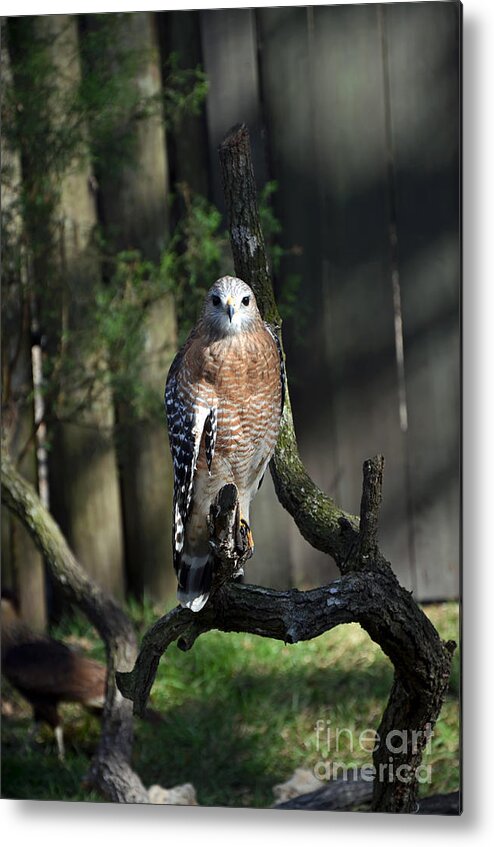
(195, 575)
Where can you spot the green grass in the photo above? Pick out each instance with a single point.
(238, 715)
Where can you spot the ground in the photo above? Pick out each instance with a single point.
(238, 716)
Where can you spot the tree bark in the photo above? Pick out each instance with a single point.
(367, 592)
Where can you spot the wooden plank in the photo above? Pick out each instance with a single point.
(346, 401)
(423, 45)
(288, 112)
(285, 73)
(230, 60)
(187, 143)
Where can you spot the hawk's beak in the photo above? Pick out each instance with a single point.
(230, 309)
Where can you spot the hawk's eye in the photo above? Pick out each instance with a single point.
(246, 300)
(216, 300)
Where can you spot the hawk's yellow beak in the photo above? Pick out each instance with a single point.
(230, 307)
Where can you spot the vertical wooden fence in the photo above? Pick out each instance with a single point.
(354, 111)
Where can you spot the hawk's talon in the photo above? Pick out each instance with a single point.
(246, 536)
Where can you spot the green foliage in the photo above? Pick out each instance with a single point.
(289, 294)
(121, 309)
(55, 128)
(113, 104)
(113, 332)
(238, 715)
(199, 253)
(196, 255)
(185, 90)
(47, 148)
(270, 225)
(107, 96)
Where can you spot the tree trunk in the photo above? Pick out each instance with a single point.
(83, 468)
(22, 564)
(83, 477)
(134, 205)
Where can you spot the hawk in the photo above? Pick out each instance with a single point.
(224, 398)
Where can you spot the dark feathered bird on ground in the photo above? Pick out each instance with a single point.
(48, 672)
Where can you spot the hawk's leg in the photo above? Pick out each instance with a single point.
(245, 538)
(230, 537)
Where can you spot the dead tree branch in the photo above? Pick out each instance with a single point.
(367, 592)
(110, 768)
(369, 509)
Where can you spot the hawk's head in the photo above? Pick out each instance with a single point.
(230, 307)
